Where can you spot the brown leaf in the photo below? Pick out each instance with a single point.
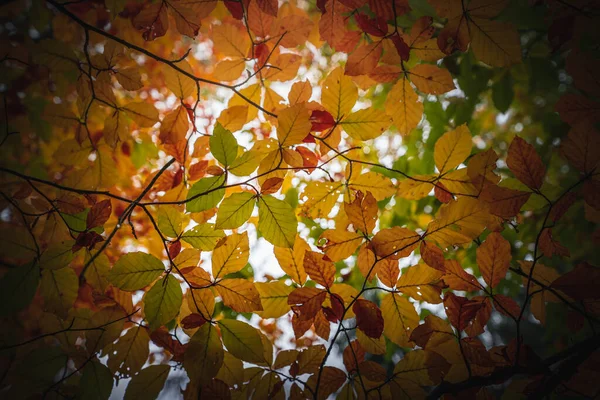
(550, 247)
(581, 283)
(493, 258)
(433, 256)
(459, 279)
(99, 214)
(525, 163)
(353, 355)
(460, 310)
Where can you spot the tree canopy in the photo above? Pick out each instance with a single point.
(382, 199)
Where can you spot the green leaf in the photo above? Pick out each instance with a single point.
(242, 340)
(503, 93)
(223, 145)
(277, 221)
(148, 383)
(162, 302)
(235, 210)
(247, 163)
(205, 194)
(204, 356)
(57, 255)
(203, 237)
(17, 288)
(59, 289)
(96, 382)
(136, 270)
(169, 221)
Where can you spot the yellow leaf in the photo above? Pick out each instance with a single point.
(366, 124)
(458, 222)
(230, 41)
(495, 43)
(239, 294)
(400, 318)
(380, 186)
(338, 94)
(452, 149)
(403, 105)
(129, 78)
(229, 70)
(397, 242)
(294, 125)
(291, 260)
(231, 256)
(182, 85)
(421, 283)
(431, 79)
(320, 198)
(371, 345)
(233, 118)
(340, 244)
(274, 296)
(415, 187)
(143, 114)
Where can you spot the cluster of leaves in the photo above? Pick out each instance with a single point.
(269, 199)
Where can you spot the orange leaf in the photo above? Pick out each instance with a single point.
(320, 270)
(271, 185)
(362, 212)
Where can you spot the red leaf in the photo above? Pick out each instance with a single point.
(99, 214)
(309, 159)
(235, 8)
(174, 249)
(401, 47)
(87, 239)
(368, 318)
(373, 26)
(321, 120)
(193, 321)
